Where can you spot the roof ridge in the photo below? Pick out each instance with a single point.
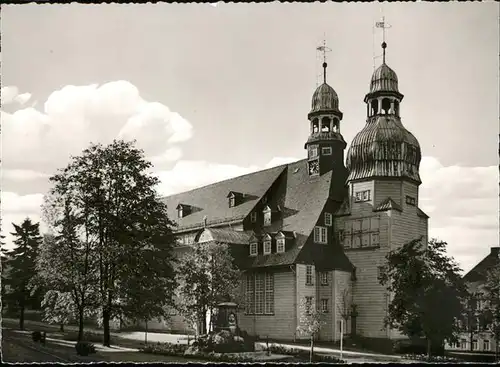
(282, 166)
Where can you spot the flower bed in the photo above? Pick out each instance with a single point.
(425, 358)
(303, 355)
(179, 350)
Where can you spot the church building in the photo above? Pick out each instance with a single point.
(318, 229)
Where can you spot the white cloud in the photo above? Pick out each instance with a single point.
(463, 205)
(74, 116)
(10, 94)
(14, 203)
(187, 175)
(22, 174)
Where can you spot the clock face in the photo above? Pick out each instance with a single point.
(314, 167)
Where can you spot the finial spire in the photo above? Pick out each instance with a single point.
(384, 26)
(324, 50)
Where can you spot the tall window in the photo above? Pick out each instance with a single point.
(269, 293)
(280, 245)
(308, 305)
(486, 345)
(320, 234)
(253, 217)
(267, 216)
(324, 278)
(328, 219)
(324, 305)
(260, 293)
(474, 344)
(250, 294)
(309, 275)
(267, 247)
(253, 249)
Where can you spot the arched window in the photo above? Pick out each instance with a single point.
(396, 108)
(374, 107)
(386, 105)
(325, 125)
(336, 124)
(315, 125)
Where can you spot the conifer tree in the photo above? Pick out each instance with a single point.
(21, 268)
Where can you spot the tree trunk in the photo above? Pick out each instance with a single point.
(429, 347)
(312, 349)
(21, 318)
(496, 351)
(80, 324)
(146, 333)
(105, 325)
(61, 327)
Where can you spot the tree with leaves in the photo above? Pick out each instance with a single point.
(58, 308)
(427, 292)
(310, 321)
(124, 223)
(20, 262)
(491, 311)
(207, 276)
(65, 268)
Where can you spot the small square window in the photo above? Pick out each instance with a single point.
(267, 247)
(410, 200)
(362, 196)
(326, 151)
(253, 249)
(328, 219)
(313, 151)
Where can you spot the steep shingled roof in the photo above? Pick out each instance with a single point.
(211, 201)
(301, 200)
(478, 272)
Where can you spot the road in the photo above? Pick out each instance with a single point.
(18, 347)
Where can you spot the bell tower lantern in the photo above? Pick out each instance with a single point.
(325, 145)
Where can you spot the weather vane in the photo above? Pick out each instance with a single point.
(384, 25)
(323, 49)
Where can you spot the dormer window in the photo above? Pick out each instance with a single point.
(267, 245)
(253, 249)
(253, 217)
(280, 243)
(182, 210)
(267, 216)
(328, 219)
(234, 198)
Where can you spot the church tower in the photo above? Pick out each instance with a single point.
(325, 145)
(383, 182)
(384, 157)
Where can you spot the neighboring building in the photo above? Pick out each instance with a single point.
(316, 228)
(475, 337)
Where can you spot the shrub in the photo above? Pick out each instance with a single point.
(424, 358)
(166, 349)
(417, 347)
(36, 336)
(84, 348)
(303, 355)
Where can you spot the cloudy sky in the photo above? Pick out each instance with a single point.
(212, 92)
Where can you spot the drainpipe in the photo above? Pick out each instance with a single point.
(294, 304)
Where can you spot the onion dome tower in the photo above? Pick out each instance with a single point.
(325, 145)
(384, 148)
